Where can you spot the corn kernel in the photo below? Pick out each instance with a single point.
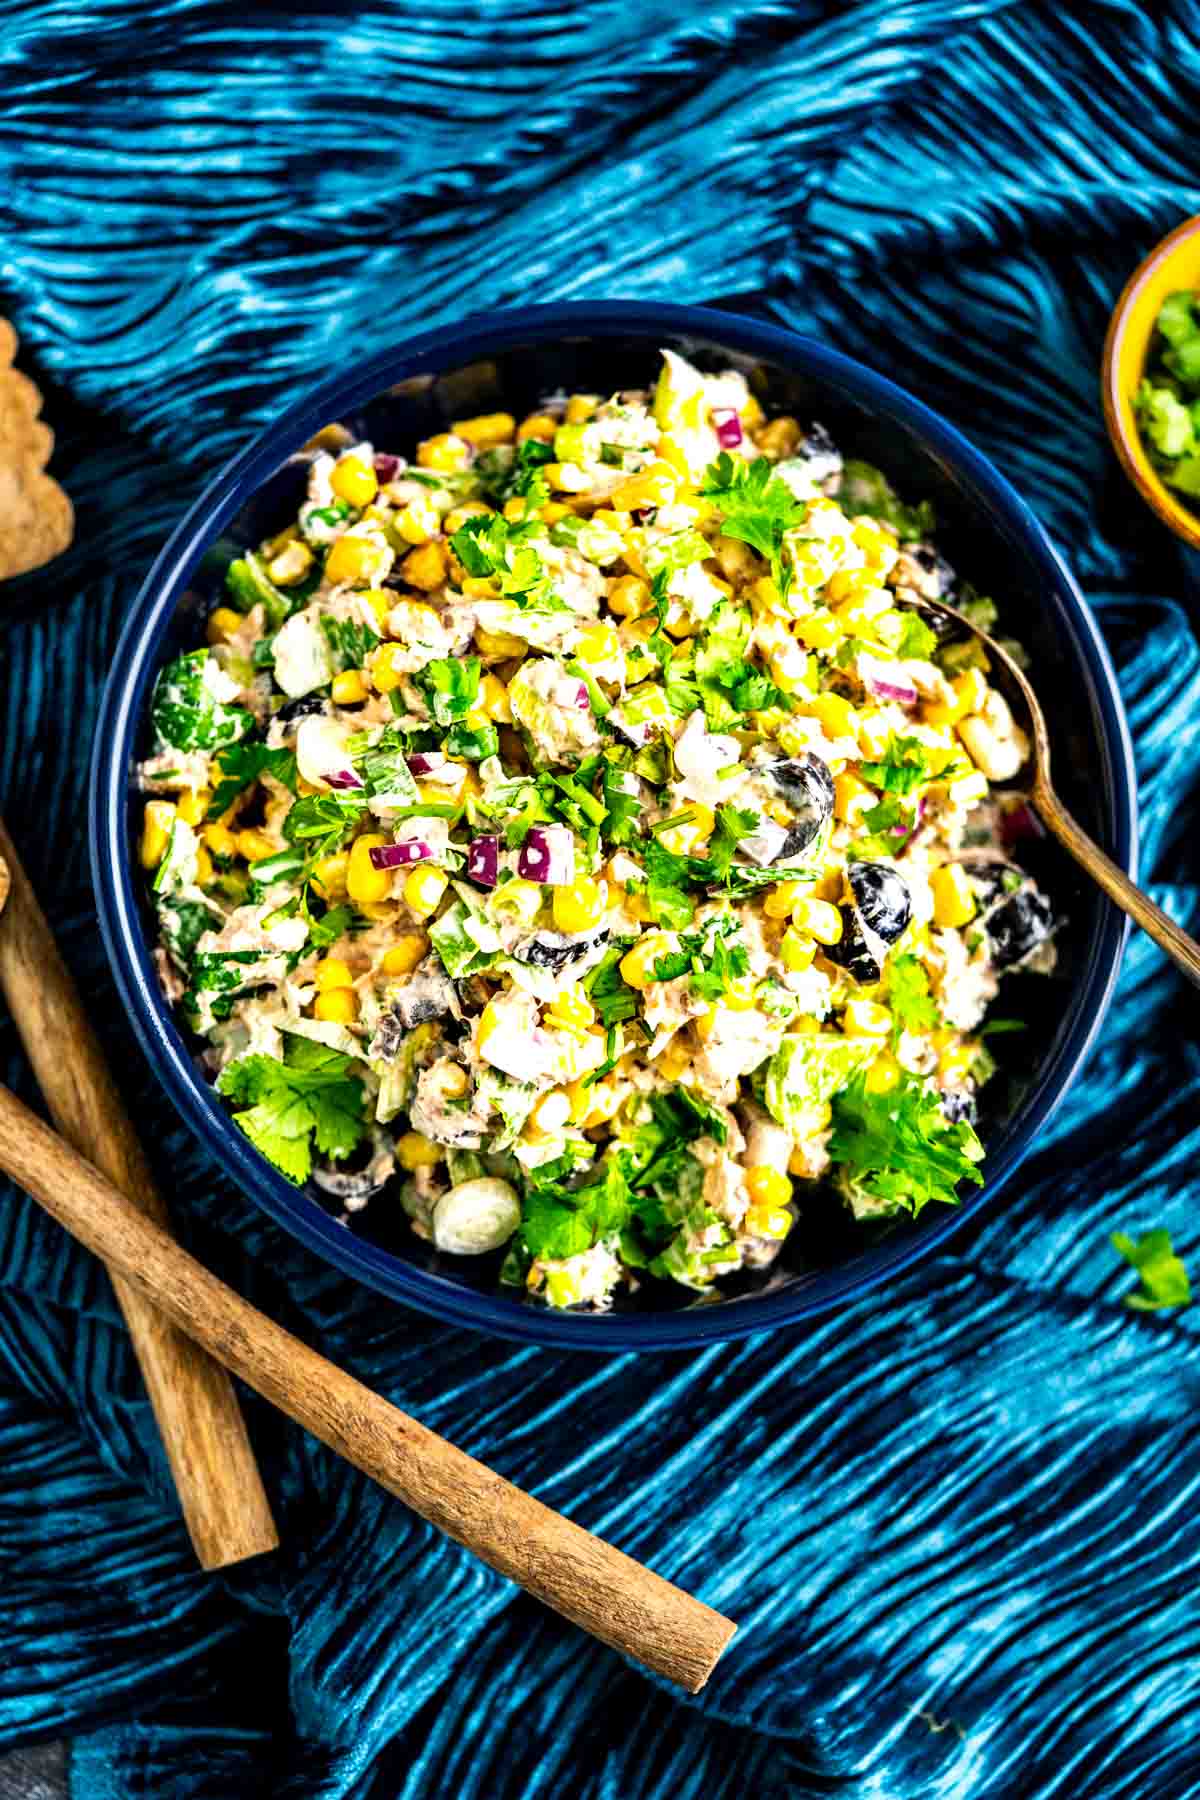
(571, 1009)
(515, 509)
(779, 438)
(204, 867)
(255, 845)
(355, 559)
(332, 972)
(874, 734)
(795, 950)
(872, 542)
(883, 1074)
(426, 567)
(637, 965)
(705, 1026)
(852, 797)
(866, 1018)
(562, 1287)
(629, 597)
(329, 875)
(819, 919)
(537, 425)
(339, 1006)
(837, 716)
(415, 1151)
(157, 832)
(820, 631)
(780, 900)
(551, 1112)
(674, 1059)
(445, 452)
(517, 899)
(580, 408)
(222, 624)
(220, 840)
(767, 1186)
(453, 1081)
(654, 486)
(740, 994)
(403, 957)
(953, 899)
(493, 700)
(363, 880)
(486, 430)
(579, 905)
(192, 805)
(457, 518)
(417, 522)
(353, 480)
(554, 510)
(423, 889)
(767, 1222)
(348, 688)
(501, 644)
(383, 671)
(686, 838)
(598, 644)
(954, 1063)
(752, 414)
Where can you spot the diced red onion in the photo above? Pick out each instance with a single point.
(398, 856)
(583, 699)
(342, 779)
(880, 680)
(1019, 824)
(423, 762)
(483, 861)
(728, 427)
(386, 467)
(641, 515)
(548, 855)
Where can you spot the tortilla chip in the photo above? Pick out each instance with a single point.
(36, 518)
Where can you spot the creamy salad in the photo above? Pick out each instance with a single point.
(577, 837)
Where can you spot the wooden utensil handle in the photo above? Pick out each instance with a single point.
(220, 1490)
(1183, 950)
(590, 1582)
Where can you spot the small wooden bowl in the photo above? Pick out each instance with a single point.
(1171, 265)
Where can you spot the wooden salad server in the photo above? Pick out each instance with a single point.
(224, 1503)
(168, 1293)
(587, 1580)
(1183, 950)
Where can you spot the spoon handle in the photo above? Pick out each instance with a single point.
(1183, 950)
(590, 1582)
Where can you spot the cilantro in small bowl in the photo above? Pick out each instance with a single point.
(1167, 403)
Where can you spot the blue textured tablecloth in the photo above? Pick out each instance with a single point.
(957, 1521)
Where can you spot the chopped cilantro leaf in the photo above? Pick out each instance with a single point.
(903, 769)
(757, 507)
(733, 824)
(916, 639)
(243, 763)
(866, 489)
(607, 989)
(898, 1149)
(450, 687)
(911, 1003)
(308, 1100)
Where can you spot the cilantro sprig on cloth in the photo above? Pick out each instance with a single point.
(1164, 1278)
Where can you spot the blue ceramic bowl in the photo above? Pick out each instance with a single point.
(504, 362)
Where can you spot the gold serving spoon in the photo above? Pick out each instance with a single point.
(1183, 950)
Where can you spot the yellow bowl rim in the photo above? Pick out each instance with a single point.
(1126, 439)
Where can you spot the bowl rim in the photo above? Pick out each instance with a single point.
(1118, 416)
(136, 659)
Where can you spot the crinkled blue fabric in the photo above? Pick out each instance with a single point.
(956, 1520)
